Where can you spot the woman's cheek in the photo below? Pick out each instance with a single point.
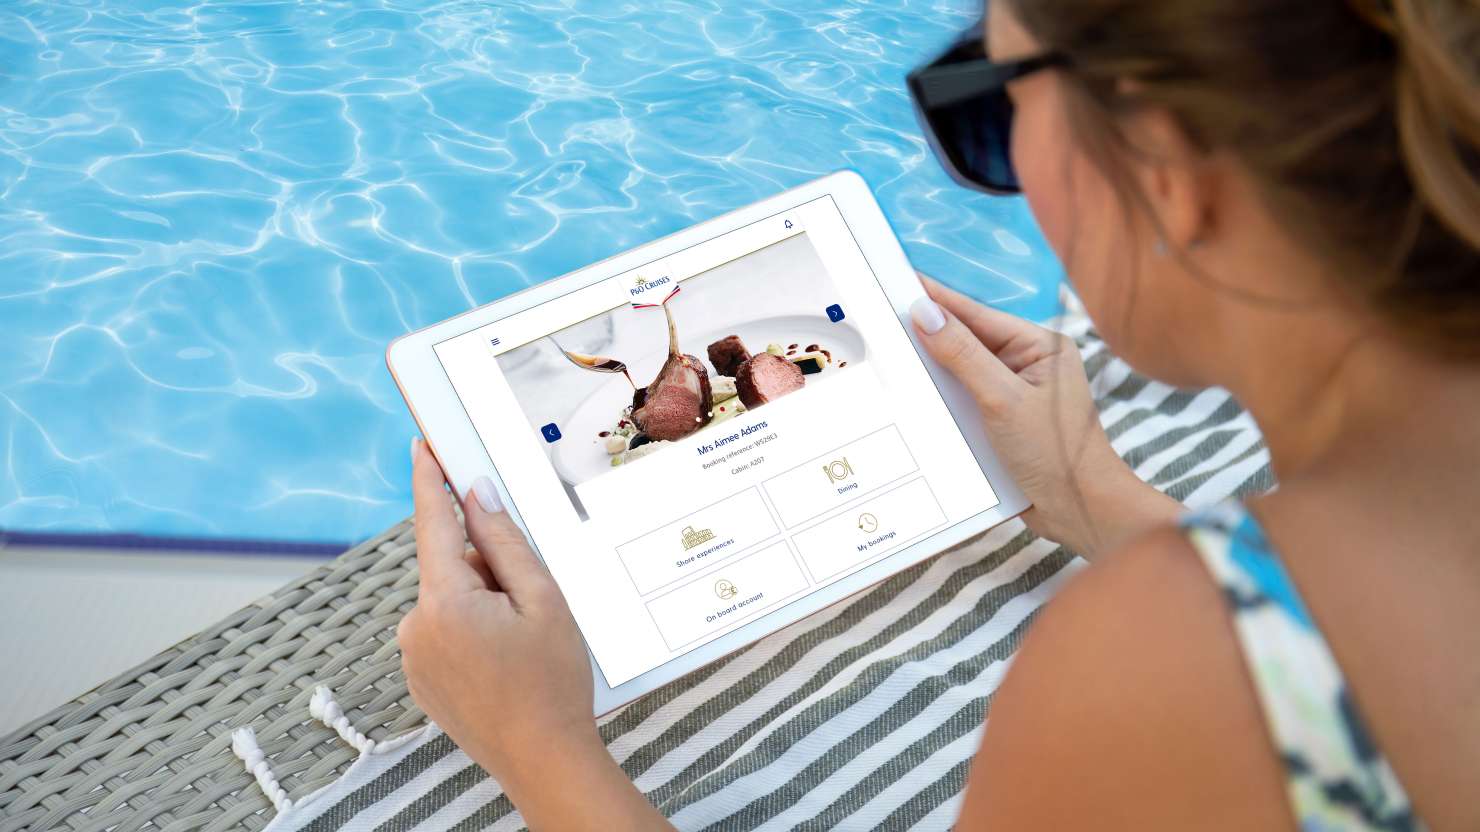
(1104, 250)
(1042, 180)
(1047, 170)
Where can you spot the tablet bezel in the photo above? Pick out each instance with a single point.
(440, 415)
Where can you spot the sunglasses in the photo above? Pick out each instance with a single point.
(962, 103)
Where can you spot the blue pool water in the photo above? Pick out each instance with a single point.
(215, 216)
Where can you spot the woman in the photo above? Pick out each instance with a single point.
(1282, 199)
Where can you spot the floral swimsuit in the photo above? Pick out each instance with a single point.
(1336, 776)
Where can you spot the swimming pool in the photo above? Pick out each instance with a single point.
(216, 215)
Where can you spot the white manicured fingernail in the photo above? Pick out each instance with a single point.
(415, 443)
(927, 315)
(487, 497)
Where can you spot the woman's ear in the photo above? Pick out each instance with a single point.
(1174, 175)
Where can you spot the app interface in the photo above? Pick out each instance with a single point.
(713, 435)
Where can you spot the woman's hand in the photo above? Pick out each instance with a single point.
(493, 656)
(1030, 386)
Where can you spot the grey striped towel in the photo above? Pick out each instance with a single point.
(863, 716)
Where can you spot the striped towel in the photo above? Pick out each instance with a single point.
(862, 716)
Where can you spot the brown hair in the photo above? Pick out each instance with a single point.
(1359, 119)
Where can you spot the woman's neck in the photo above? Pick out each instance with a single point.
(1331, 400)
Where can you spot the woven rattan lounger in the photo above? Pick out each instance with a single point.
(860, 716)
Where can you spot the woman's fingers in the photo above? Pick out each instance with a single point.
(472, 557)
(1015, 341)
(439, 537)
(503, 546)
(957, 348)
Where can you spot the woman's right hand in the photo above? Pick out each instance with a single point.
(1030, 385)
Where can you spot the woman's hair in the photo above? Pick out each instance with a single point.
(1358, 119)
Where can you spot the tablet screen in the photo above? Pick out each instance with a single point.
(711, 436)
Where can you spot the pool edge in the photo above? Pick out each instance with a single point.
(125, 543)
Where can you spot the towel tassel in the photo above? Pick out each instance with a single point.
(324, 708)
(244, 745)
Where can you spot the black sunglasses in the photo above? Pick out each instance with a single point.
(962, 103)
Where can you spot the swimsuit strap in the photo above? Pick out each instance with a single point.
(1335, 775)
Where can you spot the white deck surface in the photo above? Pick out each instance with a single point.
(72, 619)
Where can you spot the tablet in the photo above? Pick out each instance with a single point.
(715, 434)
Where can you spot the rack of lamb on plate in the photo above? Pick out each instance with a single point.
(676, 403)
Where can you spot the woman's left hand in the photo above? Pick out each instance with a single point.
(492, 655)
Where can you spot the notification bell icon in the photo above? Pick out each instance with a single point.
(787, 223)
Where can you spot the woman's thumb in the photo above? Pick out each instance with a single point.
(503, 546)
(957, 348)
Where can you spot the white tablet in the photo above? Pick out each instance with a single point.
(713, 435)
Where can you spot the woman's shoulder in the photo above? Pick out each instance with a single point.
(1130, 705)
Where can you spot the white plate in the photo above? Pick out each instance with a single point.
(581, 454)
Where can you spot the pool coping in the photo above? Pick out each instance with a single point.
(125, 543)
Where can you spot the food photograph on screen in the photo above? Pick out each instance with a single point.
(616, 388)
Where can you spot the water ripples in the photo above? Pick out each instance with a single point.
(215, 216)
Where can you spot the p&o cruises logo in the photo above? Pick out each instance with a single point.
(644, 285)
